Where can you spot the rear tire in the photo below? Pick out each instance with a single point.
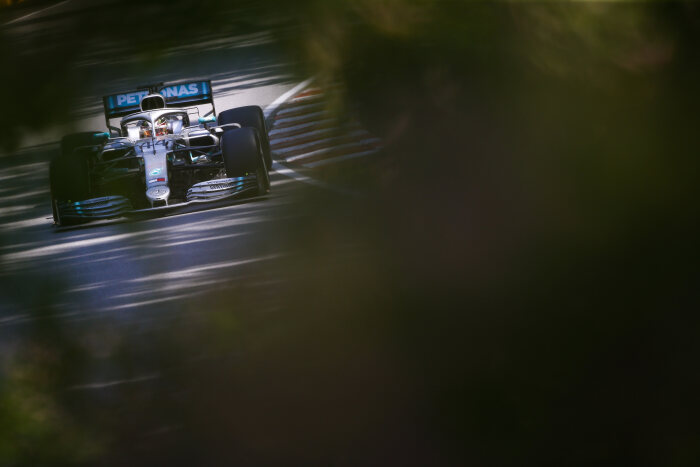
(243, 156)
(250, 116)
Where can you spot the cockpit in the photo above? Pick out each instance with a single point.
(137, 129)
(143, 126)
(170, 124)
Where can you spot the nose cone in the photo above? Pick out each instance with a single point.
(158, 195)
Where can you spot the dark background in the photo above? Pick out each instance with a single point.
(522, 282)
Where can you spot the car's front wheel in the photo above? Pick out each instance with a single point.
(242, 154)
(69, 176)
(250, 116)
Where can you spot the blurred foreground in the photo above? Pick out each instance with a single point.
(518, 282)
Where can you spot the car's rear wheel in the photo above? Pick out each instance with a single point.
(242, 154)
(250, 116)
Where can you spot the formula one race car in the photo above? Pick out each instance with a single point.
(159, 158)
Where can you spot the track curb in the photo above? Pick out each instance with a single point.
(283, 169)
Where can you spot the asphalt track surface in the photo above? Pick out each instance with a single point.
(148, 265)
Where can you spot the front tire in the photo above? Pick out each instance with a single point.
(69, 173)
(250, 116)
(243, 156)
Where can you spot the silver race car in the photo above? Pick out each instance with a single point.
(163, 155)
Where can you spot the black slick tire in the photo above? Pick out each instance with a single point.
(242, 154)
(69, 177)
(250, 116)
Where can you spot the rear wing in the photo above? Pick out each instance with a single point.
(184, 94)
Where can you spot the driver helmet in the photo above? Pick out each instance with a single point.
(161, 126)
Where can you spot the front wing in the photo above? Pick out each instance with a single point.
(115, 206)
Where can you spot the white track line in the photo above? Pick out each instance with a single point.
(284, 170)
(301, 128)
(283, 98)
(321, 142)
(332, 160)
(300, 109)
(303, 137)
(22, 18)
(324, 151)
(306, 99)
(298, 119)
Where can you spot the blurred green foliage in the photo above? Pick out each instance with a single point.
(524, 288)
